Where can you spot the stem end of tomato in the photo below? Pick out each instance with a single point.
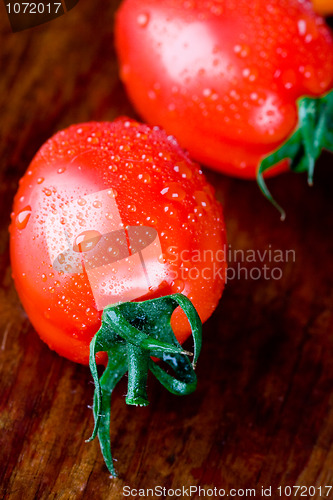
(132, 333)
(313, 134)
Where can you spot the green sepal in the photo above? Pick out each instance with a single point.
(131, 334)
(313, 134)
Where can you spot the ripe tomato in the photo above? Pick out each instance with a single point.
(224, 76)
(113, 228)
(108, 213)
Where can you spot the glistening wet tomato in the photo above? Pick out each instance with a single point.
(114, 220)
(224, 76)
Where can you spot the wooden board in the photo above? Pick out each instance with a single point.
(262, 415)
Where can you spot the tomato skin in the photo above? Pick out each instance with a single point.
(155, 185)
(223, 76)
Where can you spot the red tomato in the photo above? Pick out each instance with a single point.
(223, 76)
(107, 213)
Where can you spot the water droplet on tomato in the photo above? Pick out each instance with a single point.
(199, 211)
(151, 220)
(40, 180)
(61, 258)
(169, 210)
(23, 217)
(173, 191)
(301, 25)
(143, 19)
(192, 218)
(112, 193)
(113, 252)
(162, 259)
(47, 191)
(250, 73)
(166, 156)
(177, 286)
(131, 208)
(93, 140)
(151, 94)
(145, 177)
(289, 78)
(202, 199)
(81, 202)
(61, 170)
(183, 170)
(86, 241)
(242, 50)
(97, 204)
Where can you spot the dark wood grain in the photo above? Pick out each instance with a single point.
(263, 411)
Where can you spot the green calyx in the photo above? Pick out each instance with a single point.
(313, 134)
(131, 333)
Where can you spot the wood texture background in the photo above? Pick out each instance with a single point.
(263, 410)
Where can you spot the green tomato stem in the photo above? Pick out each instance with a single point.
(131, 334)
(138, 360)
(313, 134)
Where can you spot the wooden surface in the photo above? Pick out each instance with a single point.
(263, 411)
